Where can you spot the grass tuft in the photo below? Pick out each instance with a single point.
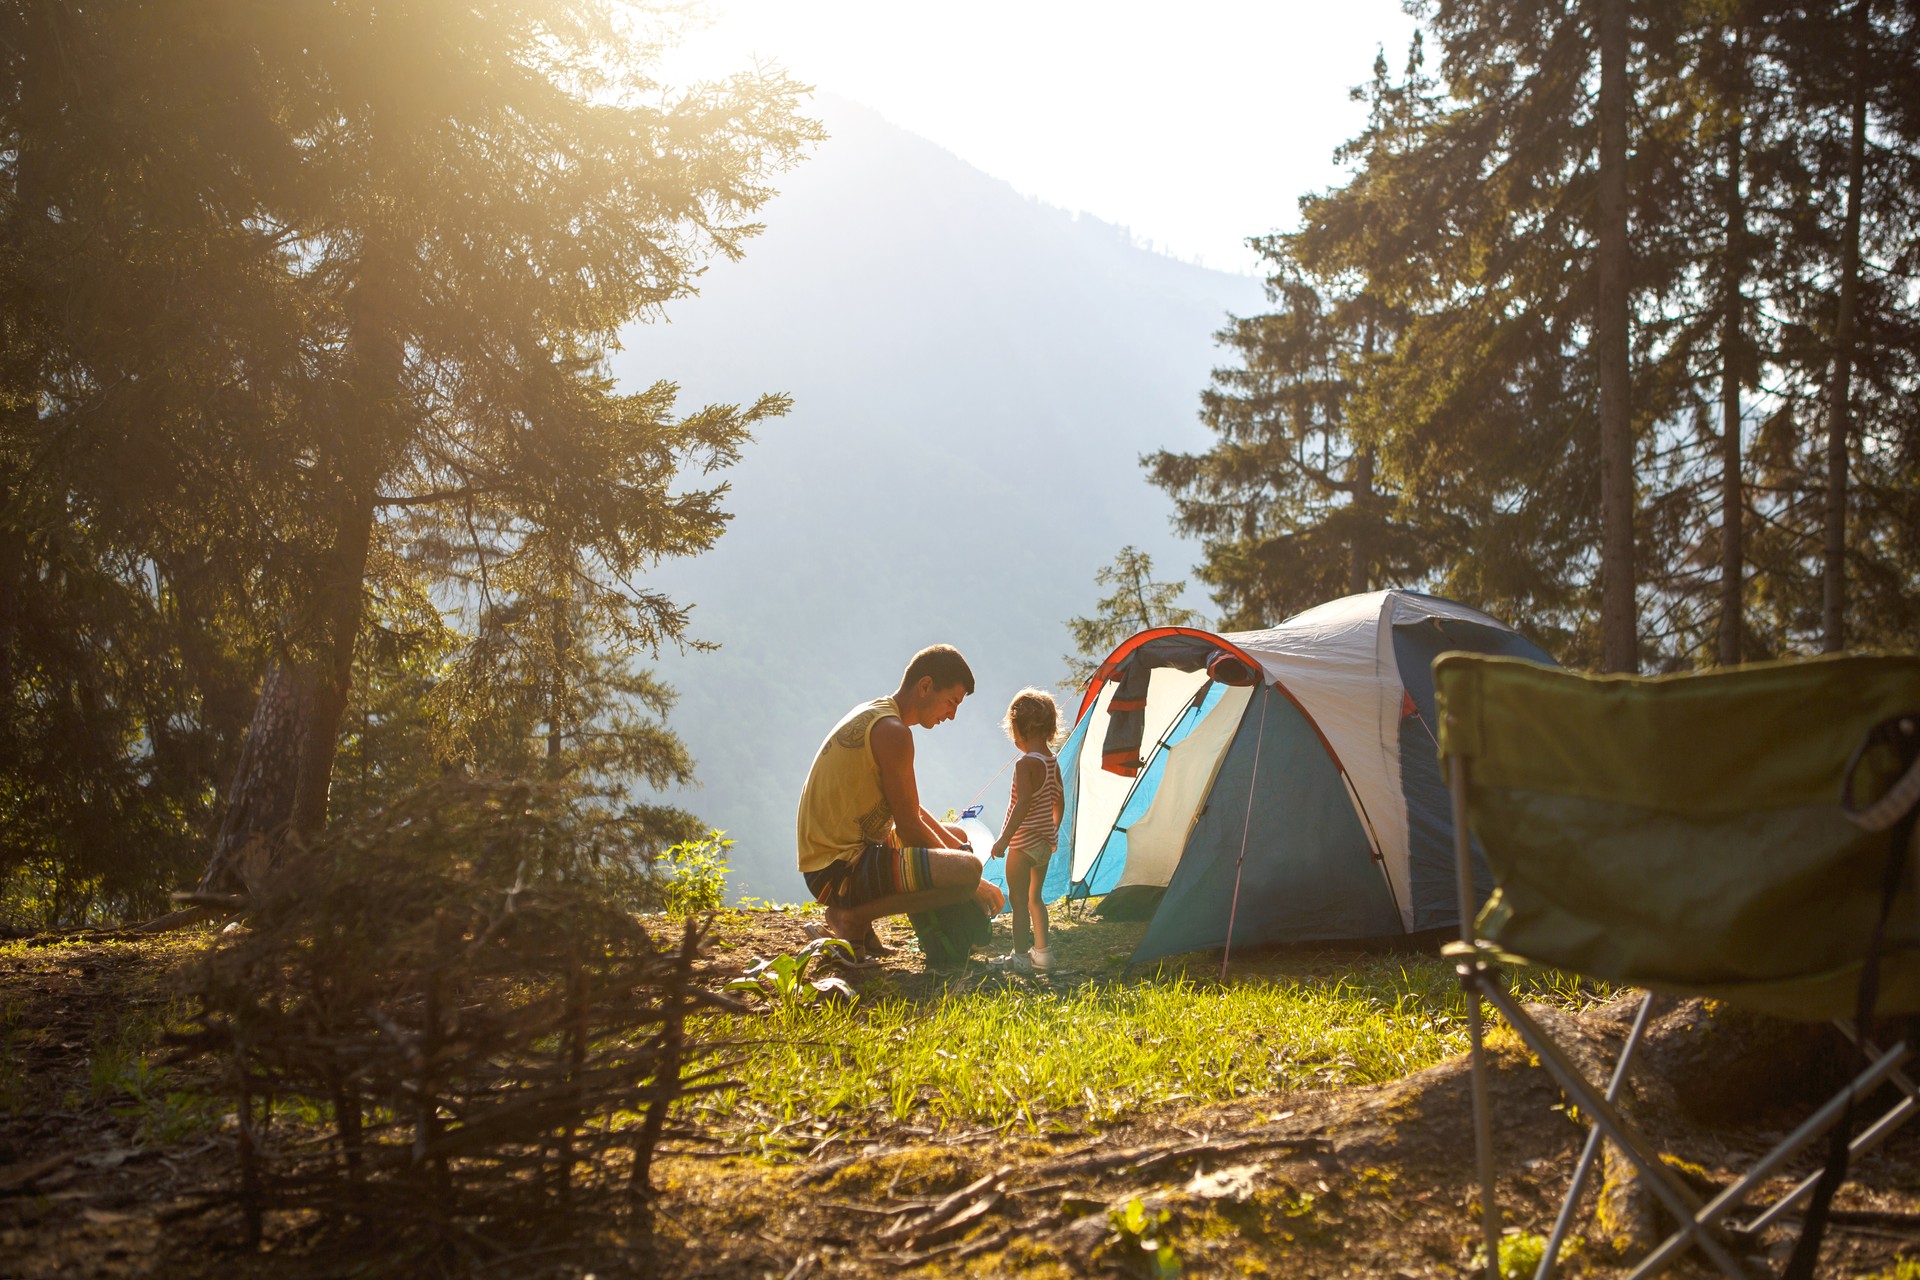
(1031, 1057)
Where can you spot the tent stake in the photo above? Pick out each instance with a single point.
(1253, 781)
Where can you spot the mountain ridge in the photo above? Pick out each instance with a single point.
(974, 375)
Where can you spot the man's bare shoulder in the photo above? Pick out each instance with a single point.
(890, 737)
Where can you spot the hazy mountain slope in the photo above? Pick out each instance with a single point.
(974, 376)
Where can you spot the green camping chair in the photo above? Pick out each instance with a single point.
(1742, 834)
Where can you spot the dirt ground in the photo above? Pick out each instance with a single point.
(102, 1175)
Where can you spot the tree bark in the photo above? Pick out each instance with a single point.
(1619, 629)
(1360, 565)
(278, 802)
(1840, 391)
(1360, 562)
(341, 602)
(558, 680)
(260, 801)
(1732, 490)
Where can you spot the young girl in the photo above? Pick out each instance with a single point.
(1033, 816)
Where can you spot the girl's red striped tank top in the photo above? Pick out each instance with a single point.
(1037, 830)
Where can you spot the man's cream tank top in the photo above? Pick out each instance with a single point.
(842, 808)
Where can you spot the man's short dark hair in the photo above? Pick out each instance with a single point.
(944, 663)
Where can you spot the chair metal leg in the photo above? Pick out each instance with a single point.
(1678, 1198)
(1483, 1135)
(1885, 1068)
(1470, 981)
(1550, 1258)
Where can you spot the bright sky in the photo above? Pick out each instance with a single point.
(1196, 124)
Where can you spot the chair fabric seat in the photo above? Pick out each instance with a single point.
(1686, 834)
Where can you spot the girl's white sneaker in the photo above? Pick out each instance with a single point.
(1041, 959)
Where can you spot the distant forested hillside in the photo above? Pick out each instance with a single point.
(974, 378)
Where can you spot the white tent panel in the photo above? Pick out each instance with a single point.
(1156, 841)
(1103, 795)
(1337, 662)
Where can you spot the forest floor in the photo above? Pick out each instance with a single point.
(1339, 1164)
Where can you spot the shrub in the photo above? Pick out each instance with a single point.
(485, 1033)
(697, 874)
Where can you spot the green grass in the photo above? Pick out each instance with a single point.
(1096, 1053)
(1903, 1269)
(125, 1072)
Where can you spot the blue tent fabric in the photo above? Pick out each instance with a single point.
(1309, 871)
(1430, 872)
(1112, 860)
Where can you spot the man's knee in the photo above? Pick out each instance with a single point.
(953, 869)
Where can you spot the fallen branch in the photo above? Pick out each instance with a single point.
(959, 1222)
(956, 1249)
(1141, 1159)
(884, 1211)
(967, 1248)
(963, 1207)
(22, 1177)
(820, 1173)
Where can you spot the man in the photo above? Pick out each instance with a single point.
(867, 848)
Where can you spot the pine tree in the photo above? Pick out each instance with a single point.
(1138, 603)
(505, 188)
(1465, 223)
(1836, 454)
(146, 367)
(1289, 503)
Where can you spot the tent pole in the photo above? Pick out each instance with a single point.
(1253, 780)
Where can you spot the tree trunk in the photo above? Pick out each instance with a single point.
(1360, 565)
(1732, 492)
(260, 800)
(1619, 629)
(278, 801)
(1840, 392)
(341, 605)
(1360, 562)
(558, 680)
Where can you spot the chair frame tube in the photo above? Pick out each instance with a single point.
(1679, 1199)
(1478, 981)
(1550, 1258)
(1808, 1132)
(1868, 1138)
(1470, 980)
(1700, 1223)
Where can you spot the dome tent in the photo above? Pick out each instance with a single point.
(1271, 786)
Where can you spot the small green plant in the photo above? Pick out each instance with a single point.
(125, 1072)
(784, 980)
(1520, 1254)
(697, 875)
(1142, 1235)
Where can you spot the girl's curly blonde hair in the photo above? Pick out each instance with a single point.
(1032, 714)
